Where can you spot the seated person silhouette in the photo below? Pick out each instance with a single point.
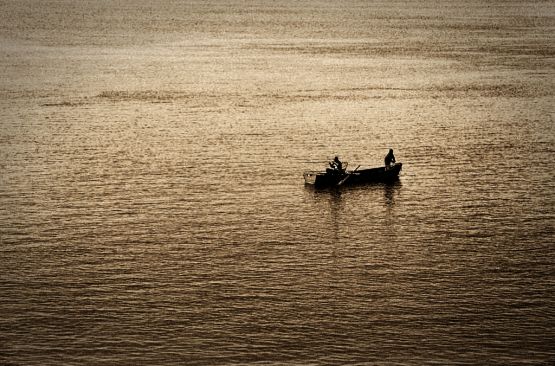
(336, 167)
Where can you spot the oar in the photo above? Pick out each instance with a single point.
(347, 177)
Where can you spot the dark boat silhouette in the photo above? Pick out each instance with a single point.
(331, 178)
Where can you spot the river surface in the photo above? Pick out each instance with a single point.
(153, 209)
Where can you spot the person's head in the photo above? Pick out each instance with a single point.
(391, 151)
(336, 158)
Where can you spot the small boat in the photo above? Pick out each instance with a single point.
(333, 178)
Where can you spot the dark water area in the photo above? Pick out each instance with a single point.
(152, 203)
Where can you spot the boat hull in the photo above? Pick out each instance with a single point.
(362, 176)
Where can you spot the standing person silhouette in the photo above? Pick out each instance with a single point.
(389, 159)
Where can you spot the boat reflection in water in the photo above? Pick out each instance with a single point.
(369, 207)
(391, 190)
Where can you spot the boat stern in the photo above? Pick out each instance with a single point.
(310, 177)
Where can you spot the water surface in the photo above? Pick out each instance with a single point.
(152, 206)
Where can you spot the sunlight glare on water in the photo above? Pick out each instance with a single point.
(152, 202)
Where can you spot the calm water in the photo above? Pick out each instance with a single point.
(152, 206)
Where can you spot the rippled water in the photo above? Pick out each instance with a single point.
(152, 205)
